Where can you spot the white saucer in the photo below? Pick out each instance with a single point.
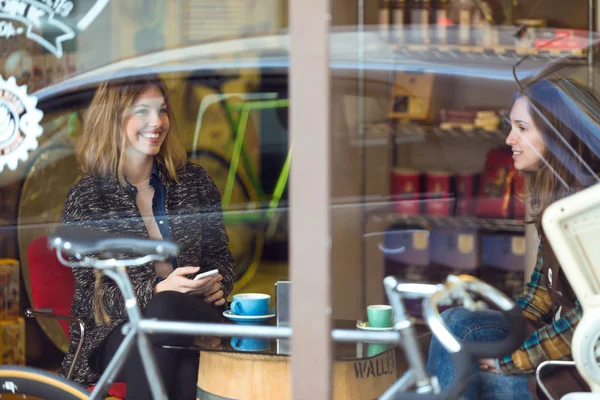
(247, 319)
(365, 326)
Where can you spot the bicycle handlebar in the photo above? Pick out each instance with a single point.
(459, 286)
(463, 353)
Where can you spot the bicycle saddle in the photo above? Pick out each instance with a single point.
(77, 241)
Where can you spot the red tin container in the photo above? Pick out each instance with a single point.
(519, 208)
(438, 189)
(405, 189)
(466, 186)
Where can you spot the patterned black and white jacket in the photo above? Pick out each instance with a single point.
(193, 206)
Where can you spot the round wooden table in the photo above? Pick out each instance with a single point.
(253, 369)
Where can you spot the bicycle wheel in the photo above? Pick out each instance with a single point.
(27, 381)
(245, 236)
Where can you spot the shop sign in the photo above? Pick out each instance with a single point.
(47, 22)
(19, 123)
(385, 364)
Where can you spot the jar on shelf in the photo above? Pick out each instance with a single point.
(419, 19)
(460, 14)
(384, 18)
(398, 19)
(482, 21)
(441, 21)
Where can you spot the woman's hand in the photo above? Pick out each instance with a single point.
(488, 365)
(215, 295)
(178, 282)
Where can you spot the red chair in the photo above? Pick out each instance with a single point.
(52, 291)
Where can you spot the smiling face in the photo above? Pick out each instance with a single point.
(147, 124)
(525, 139)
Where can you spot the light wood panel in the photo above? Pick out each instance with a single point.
(265, 377)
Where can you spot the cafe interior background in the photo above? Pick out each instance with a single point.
(418, 164)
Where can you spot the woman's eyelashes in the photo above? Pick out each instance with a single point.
(520, 128)
(145, 111)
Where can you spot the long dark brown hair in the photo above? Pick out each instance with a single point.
(567, 113)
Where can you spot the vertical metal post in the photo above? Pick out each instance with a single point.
(596, 13)
(360, 116)
(310, 199)
(592, 15)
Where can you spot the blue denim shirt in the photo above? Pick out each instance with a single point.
(158, 208)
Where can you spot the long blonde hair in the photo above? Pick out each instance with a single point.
(100, 150)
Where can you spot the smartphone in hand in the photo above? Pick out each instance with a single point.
(206, 274)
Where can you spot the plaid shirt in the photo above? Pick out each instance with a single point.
(553, 340)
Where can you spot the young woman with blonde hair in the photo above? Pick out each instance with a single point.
(138, 183)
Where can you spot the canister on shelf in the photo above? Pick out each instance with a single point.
(441, 21)
(460, 14)
(485, 25)
(456, 248)
(398, 19)
(405, 188)
(384, 18)
(518, 192)
(466, 189)
(419, 19)
(438, 186)
(494, 199)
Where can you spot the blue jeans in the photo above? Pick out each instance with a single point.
(481, 326)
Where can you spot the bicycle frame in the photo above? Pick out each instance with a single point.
(252, 102)
(136, 332)
(238, 150)
(77, 241)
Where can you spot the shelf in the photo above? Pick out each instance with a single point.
(427, 221)
(373, 49)
(437, 132)
(469, 51)
(379, 134)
